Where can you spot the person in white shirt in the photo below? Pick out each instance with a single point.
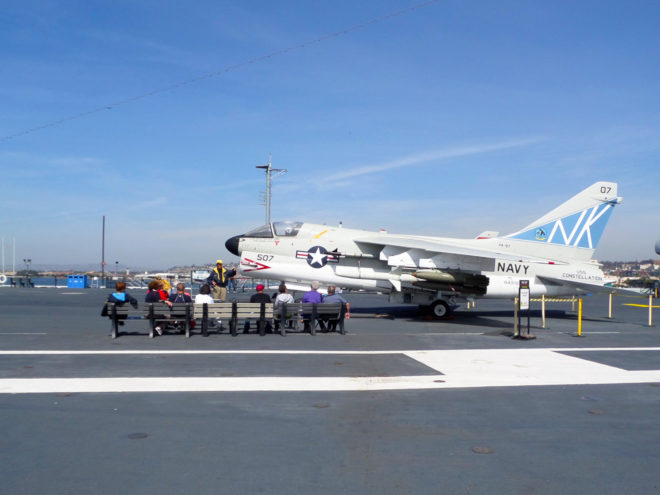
(282, 298)
(204, 296)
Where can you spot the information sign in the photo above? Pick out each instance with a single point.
(524, 295)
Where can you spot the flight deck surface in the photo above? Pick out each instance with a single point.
(400, 404)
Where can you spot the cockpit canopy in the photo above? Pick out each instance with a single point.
(287, 228)
(281, 229)
(263, 231)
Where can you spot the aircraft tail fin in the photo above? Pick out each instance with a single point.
(577, 224)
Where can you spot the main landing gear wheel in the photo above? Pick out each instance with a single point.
(440, 309)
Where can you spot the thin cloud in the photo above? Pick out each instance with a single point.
(417, 159)
(159, 201)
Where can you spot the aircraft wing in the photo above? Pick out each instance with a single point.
(436, 247)
(585, 286)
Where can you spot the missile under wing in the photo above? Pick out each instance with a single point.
(554, 253)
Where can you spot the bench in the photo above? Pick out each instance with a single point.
(154, 312)
(235, 313)
(216, 311)
(262, 313)
(311, 313)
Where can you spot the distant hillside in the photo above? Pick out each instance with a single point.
(79, 267)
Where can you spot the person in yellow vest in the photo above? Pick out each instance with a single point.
(218, 279)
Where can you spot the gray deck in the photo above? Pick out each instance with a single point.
(278, 424)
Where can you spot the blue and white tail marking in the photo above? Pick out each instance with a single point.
(582, 229)
(579, 222)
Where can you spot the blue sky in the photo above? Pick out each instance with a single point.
(450, 119)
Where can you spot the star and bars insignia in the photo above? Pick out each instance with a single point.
(317, 256)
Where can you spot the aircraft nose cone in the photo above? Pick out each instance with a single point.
(232, 245)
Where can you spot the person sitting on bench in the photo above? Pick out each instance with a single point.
(259, 297)
(154, 295)
(119, 297)
(181, 296)
(332, 297)
(282, 298)
(312, 296)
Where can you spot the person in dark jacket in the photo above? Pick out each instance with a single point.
(180, 296)
(259, 297)
(119, 297)
(154, 296)
(218, 279)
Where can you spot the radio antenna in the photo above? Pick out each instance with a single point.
(269, 169)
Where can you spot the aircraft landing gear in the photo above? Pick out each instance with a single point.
(438, 309)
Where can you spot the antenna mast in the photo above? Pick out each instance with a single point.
(269, 168)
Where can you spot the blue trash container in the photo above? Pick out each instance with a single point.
(76, 281)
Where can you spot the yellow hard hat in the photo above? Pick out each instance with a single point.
(218, 261)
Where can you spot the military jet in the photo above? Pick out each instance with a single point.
(554, 253)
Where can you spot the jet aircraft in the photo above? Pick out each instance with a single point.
(554, 253)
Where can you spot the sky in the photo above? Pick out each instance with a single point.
(442, 118)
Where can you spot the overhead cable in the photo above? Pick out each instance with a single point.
(229, 68)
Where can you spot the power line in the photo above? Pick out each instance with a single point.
(230, 68)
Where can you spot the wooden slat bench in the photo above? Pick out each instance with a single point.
(208, 312)
(235, 313)
(153, 312)
(311, 313)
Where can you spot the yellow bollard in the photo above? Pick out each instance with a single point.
(580, 317)
(609, 314)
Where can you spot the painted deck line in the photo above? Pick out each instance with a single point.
(215, 384)
(459, 369)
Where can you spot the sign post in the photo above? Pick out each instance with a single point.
(523, 305)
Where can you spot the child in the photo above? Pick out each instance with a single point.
(119, 297)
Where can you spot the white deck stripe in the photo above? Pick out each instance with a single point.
(214, 384)
(460, 369)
